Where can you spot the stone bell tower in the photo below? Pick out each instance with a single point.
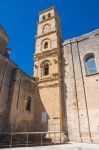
(47, 60)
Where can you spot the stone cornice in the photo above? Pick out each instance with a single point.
(39, 36)
(54, 77)
(46, 54)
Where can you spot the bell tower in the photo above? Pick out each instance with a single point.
(47, 60)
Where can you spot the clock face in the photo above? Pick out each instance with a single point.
(46, 28)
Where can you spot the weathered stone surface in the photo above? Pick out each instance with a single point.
(66, 99)
(80, 90)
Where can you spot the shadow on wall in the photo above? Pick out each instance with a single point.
(23, 116)
(64, 97)
(41, 116)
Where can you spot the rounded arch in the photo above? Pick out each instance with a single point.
(46, 28)
(90, 63)
(88, 55)
(49, 15)
(45, 62)
(45, 68)
(46, 44)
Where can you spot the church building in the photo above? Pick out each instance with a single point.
(63, 94)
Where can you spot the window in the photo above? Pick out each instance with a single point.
(45, 45)
(28, 104)
(90, 64)
(49, 15)
(43, 17)
(46, 70)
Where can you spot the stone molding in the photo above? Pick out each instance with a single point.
(54, 77)
(46, 54)
(45, 34)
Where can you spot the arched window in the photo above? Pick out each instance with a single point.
(90, 64)
(46, 70)
(43, 17)
(49, 15)
(28, 104)
(46, 45)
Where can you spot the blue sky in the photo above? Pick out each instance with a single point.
(19, 19)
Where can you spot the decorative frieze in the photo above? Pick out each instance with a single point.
(46, 54)
(37, 37)
(54, 77)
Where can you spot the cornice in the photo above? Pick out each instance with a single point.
(46, 54)
(45, 34)
(54, 77)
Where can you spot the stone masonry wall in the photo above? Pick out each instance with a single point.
(15, 87)
(81, 92)
(6, 75)
(22, 119)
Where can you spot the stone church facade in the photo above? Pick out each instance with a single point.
(63, 94)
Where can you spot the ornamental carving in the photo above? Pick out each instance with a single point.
(46, 54)
(35, 66)
(54, 77)
(44, 62)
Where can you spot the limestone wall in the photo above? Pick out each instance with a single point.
(22, 119)
(15, 87)
(81, 91)
(6, 82)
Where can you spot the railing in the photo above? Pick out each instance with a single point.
(18, 139)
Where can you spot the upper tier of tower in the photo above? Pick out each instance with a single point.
(48, 31)
(48, 21)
